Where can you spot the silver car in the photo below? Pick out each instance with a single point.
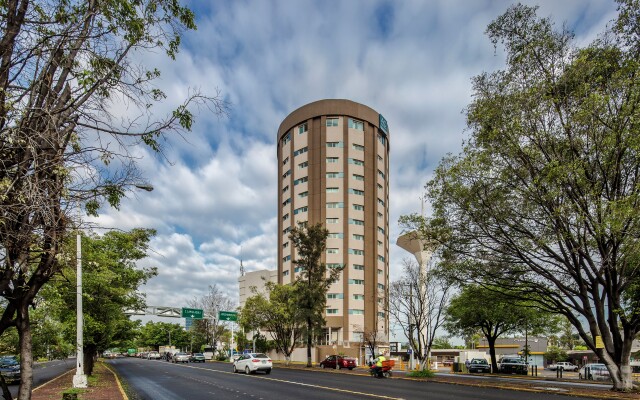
(180, 357)
(252, 362)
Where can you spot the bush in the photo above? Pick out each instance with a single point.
(423, 373)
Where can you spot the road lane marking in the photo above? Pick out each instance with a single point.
(377, 396)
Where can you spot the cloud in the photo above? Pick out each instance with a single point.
(215, 190)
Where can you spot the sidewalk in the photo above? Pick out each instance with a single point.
(103, 385)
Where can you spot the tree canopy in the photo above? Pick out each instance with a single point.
(277, 312)
(544, 198)
(313, 282)
(111, 280)
(67, 68)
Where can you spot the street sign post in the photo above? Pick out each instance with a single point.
(194, 313)
(228, 316)
(233, 317)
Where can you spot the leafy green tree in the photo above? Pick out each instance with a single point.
(110, 286)
(441, 342)
(278, 313)
(555, 354)
(313, 282)
(156, 334)
(492, 312)
(544, 198)
(63, 141)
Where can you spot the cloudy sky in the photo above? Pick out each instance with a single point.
(215, 193)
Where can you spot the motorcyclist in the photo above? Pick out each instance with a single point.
(378, 364)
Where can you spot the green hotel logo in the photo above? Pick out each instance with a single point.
(383, 124)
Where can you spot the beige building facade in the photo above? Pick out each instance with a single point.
(333, 166)
(254, 281)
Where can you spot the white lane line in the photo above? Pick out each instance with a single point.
(377, 396)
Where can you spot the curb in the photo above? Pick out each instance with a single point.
(122, 392)
(53, 380)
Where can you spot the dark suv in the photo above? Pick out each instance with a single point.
(479, 365)
(512, 365)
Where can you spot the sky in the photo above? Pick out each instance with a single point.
(214, 201)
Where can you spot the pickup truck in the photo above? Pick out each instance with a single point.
(565, 366)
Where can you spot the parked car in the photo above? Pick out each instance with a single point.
(180, 357)
(197, 357)
(512, 365)
(343, 362)
(10, 370)
(594, 372)
(153, 355)
(479, 365)
(564, 365)
(252, 362)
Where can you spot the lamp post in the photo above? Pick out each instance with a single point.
(80, 379)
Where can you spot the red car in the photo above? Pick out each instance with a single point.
(343, 362)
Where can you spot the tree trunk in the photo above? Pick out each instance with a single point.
(88, 353)
(287, 360)
(6, 394)
(492, 352)
(620, 374)
(26, 355)
(309, 342)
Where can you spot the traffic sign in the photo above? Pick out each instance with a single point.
(194, 313)
(228, 316)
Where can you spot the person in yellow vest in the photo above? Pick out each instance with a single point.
(378, 361)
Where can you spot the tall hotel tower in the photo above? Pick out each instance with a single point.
(333, 166)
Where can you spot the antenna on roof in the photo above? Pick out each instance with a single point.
(241, 266)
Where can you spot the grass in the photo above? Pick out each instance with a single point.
(423, 373)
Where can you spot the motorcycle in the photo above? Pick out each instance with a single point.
(384, 372)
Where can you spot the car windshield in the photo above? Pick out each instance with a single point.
(9, 363)
(479, 361)
(199, 354)
(512, 361)
(598, 366)
(260, 355)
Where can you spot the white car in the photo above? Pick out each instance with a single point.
(594, 372)
(564, 365)
(153, 355)
(252, 362)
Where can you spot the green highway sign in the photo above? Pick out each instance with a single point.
(194, 313)
(228, 316)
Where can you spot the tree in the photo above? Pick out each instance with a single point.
(555, 354)
(279, 315)
(110, 283)
(417, 303)
(74, 107)
(369, 339)
(211, 303)
(441, 342)
(313, 282)
(156, 334)
(493, 312)
(543, 198)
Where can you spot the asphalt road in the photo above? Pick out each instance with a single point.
(160, 380)
(45, 371)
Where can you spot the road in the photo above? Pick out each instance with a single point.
(45, 371)
(159, 380)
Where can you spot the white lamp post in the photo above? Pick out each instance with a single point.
(80, 379)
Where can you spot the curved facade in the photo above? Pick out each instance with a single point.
(333, 166)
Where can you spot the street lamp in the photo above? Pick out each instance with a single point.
(80, 379)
